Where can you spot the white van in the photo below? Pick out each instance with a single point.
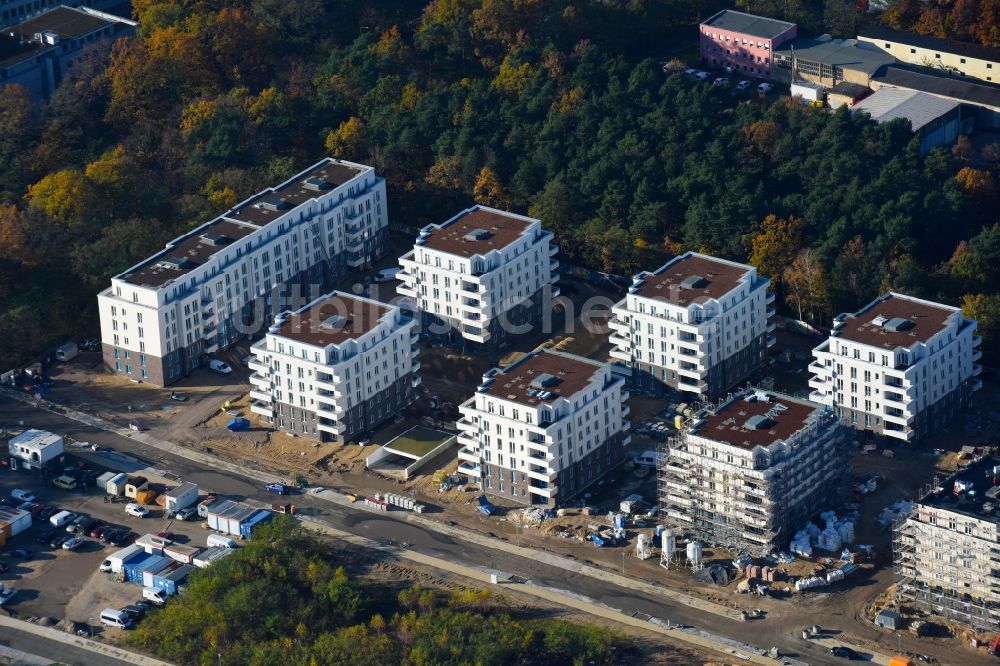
(62, 518)
(155, 594)
(115, 618)
(22, 494)
(219, 541)
(386, 275)
(646, 459)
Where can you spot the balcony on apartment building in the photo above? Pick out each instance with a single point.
(335, 393)
(469, 455)
(897, 416)
(261, 395)
(541, 473)
(770, 311)
(471, 287)
(325, 379)
(326, 410)
(331, 426)
(476, 333)
(770, 298)
(771, 340)
(262, 408)
(543, 488)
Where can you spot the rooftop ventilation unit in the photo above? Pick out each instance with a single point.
(477, 235)
(334, 323)
(176, 263)
(758, 422)
(316, 184)
(215, 239)
(544, 380)
(694, 282)
(274, 204)
(897, 325)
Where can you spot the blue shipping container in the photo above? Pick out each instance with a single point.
(133, 568)
(250, 524)
(171, 580)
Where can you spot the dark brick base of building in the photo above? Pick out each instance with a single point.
(360, 419)
(721, 377)
(516, 485)
(928, 420)
(521, 319)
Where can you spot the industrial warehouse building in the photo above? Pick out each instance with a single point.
(935, 120)
(962, 58)
(744, 474)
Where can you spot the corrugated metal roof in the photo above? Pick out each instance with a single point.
(919, 108)
(748, 24)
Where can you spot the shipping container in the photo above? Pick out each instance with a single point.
(102, 481)
(134, 567)
(145, 496)
(120, 558)
(152, 544)
(181, 497)
(181, 553)
(207, 504)
(116, 484)
(254, 521)
(163, 565)
(228, 516)
(211, 555)
(134, 485)
(168, 580)
(16, 520)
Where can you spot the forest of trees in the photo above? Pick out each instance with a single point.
(555, 107)
(283, 601)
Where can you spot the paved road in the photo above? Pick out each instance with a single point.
(781, 629)
(57, 652)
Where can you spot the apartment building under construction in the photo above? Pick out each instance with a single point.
(745, 474)
(947, 550)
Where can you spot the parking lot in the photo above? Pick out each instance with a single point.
(65, 587)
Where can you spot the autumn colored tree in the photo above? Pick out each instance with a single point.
(347, 140)
(16, 129)
(806, 286)
(67, 197)
(489, 191)
(775, 245)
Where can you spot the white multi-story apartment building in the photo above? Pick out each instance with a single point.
(698, 324)
(899, 367)
(744, 475)
(544, 428)
(335, 368)
(481, 276)
(227, 278)
(947, 550)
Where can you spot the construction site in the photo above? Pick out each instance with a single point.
(945, 550)
(744, 473)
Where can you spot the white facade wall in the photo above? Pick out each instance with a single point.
(874, 388)
(332, 380)
(544, 439)
(36, 447)
(141, 321)
(683, 343)
(470, 292)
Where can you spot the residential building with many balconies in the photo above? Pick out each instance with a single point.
(482, 276)
(744, 475)
(335, 368)
(228, 278)
(946, 551)
(698, 324)
(544, 428)
(899, 367)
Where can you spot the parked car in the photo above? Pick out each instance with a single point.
(87, 526)
(169, 536)
(91, 345)
(46, 512)
(220, 367)
(74, 543)
(22, 495)
(144, 603)
(47, 535)
(7, 594)
(276, 488)
(105, 566)
(58, 541)
(98, 531)
(386, 275)
(765, 88)
(137, 510)
(134, 611)
(701, 76)
(844, 652)
(690, 71)
(187, 513)
(720, 81)
(743, 85)
(77, 524)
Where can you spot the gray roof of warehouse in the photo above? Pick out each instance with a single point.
(937, 83)
(837, 53)
(748, 24)
(919, 108)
